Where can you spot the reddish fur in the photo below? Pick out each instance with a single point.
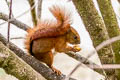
(50, 28)
(50, 35)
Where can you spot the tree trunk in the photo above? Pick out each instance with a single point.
(112, 28)
(33, 11)
(96, 28)
(39, 10)
(15, 66)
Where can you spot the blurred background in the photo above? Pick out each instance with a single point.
(61, 61)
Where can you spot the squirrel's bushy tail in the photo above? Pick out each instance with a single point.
(63, 17)
(28, 43)
(50, 28)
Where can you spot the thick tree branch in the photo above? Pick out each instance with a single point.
(15, 66)
(37, 65)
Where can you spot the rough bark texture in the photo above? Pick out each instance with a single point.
(35, 64)
(15, 66)
(96, 29)
(33, 12)
(112, 28)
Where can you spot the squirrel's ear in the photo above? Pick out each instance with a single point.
(72, 29)
(69, 30)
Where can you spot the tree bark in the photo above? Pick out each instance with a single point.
(96, 28)
(39, 9)
(15, 66)
(33, 11)
(112, 28)
(34, 63)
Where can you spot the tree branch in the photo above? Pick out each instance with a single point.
(10, 15)
(14, 21)
(100, 46)
(34, 63)
(15, 66)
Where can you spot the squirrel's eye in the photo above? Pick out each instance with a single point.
(75, 37)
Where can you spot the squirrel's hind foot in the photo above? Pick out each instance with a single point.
(55, 70)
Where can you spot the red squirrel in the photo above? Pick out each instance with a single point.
(50, 35)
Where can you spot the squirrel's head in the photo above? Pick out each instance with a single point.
(73, 36)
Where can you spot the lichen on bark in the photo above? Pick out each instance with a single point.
(112, 28)
(96, 28)
(15, 66)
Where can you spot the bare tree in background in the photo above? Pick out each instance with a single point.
(113, 30)
(33, 11)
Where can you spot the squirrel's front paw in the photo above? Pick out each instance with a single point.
(76, 48)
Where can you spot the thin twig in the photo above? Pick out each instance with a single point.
(10, 13)
(107, 42)
(105, 66)
(21, 14)
(17, 38)
(8, 6)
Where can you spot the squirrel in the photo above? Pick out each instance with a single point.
(50, 35)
